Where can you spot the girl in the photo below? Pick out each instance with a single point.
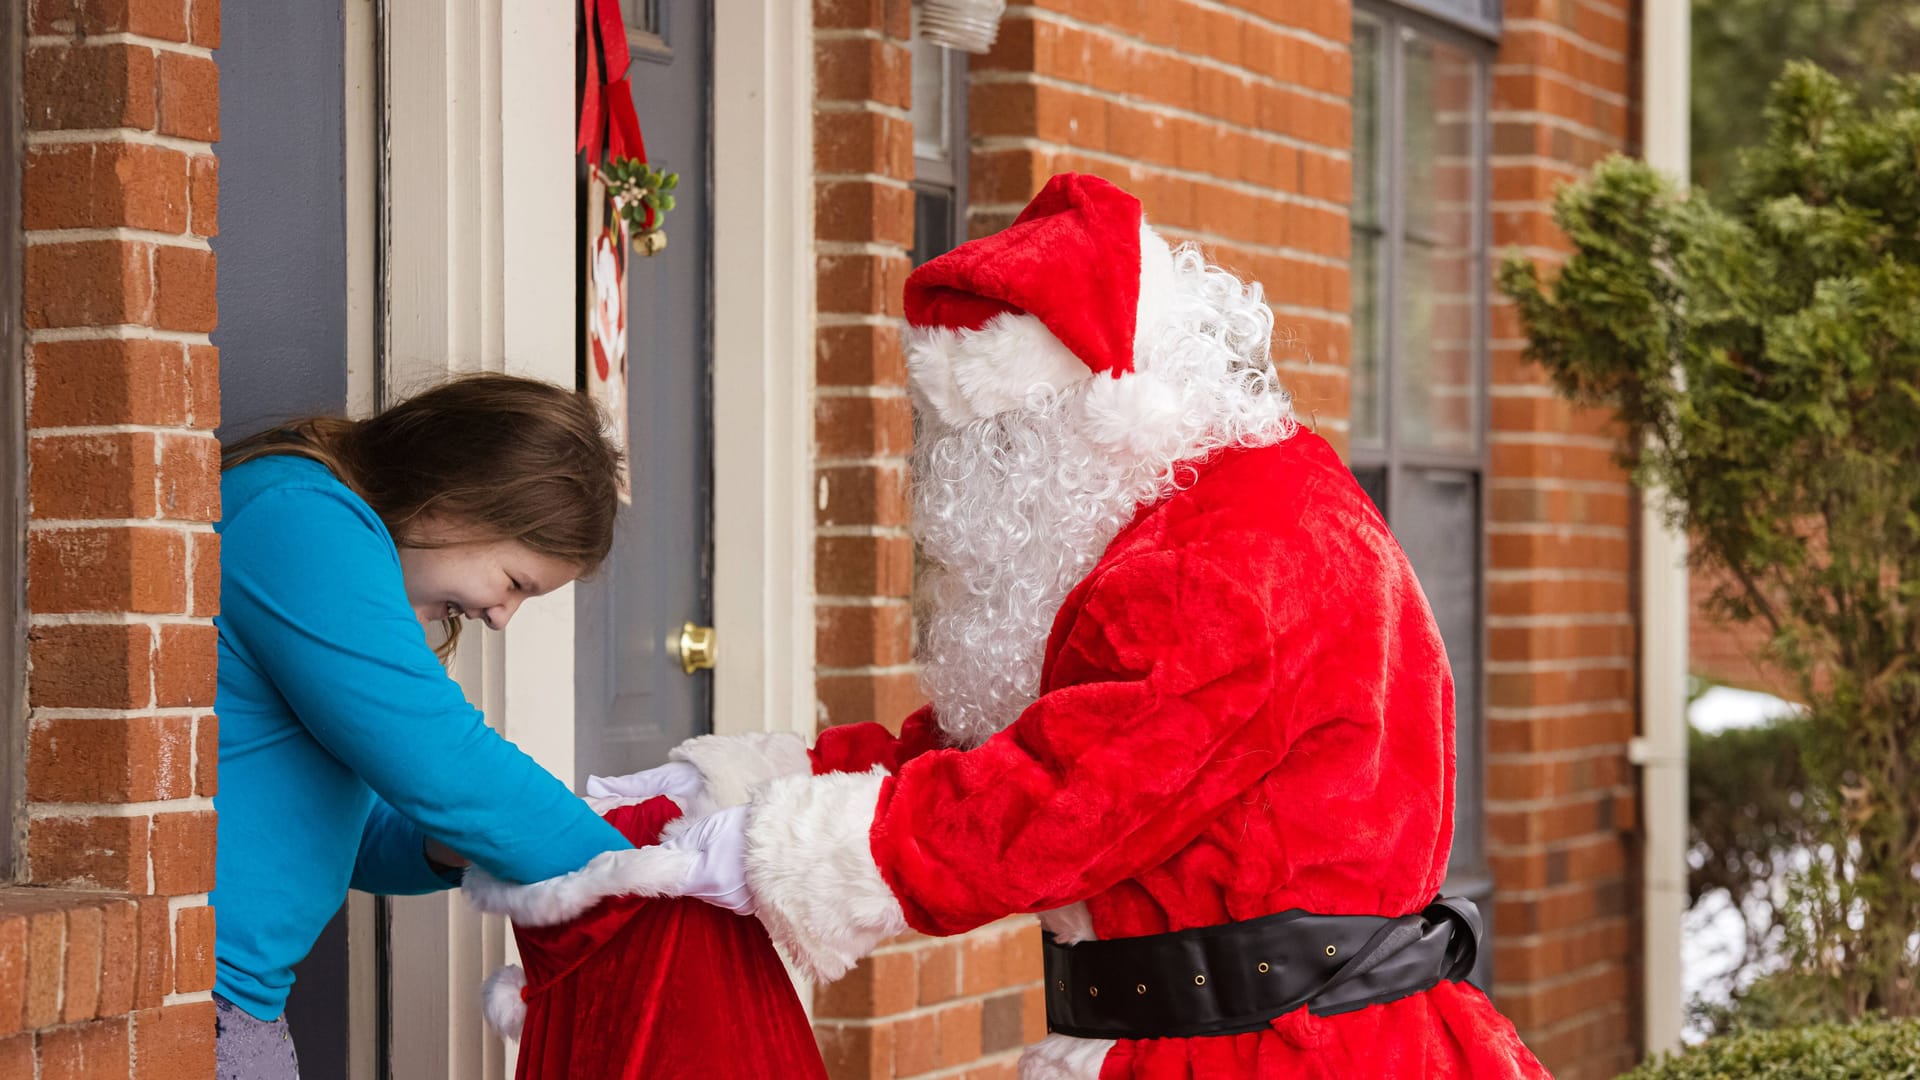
(348, 757)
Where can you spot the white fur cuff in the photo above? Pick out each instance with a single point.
(648, 871)
(810, 866)
(733, 765)
(1062, 1057)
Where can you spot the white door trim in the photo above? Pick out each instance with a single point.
(363, 162)
(763, 365)
(479, 276)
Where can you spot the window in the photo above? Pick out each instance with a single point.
(1479, 16)
(939, 147)
(13, 447)
(1420, 294)
(646, 28)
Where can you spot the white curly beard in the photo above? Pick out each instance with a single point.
(1012, 511)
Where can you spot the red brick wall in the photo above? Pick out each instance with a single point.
(1730, 653)
(917, 1006)
(1562, 682)
(106, 940)
(1233, 128)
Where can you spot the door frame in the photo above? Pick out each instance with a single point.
(496, 293)
(763, 340)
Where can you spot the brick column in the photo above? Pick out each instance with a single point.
(106, 942)
(956, 1007)
(1561, 660)
(863, 424)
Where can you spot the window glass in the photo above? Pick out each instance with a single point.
(932, 107)
(1441, 264)
(1438, 523)
(1368, 234)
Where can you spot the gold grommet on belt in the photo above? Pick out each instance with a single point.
(1062, 985)
(1263, 967)
(1199, 980)
(1094, 991)
(1140, 988)
(1331, 950)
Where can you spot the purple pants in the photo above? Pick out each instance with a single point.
(246, 1048)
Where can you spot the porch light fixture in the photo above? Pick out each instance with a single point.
(967, 25)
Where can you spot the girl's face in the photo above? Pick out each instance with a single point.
(475, 579)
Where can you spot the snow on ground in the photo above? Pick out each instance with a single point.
(1724, 707)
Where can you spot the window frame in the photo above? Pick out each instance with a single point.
(13, 430)
(1470, 876)
(932, 176)
(1485, 24)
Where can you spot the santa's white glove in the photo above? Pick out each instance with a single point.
(718, 844)
(678, 780)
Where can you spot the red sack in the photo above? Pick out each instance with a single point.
(659, 988)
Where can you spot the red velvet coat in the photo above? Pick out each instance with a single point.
(1245, 708)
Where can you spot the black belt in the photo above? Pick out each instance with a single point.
(1235, 978)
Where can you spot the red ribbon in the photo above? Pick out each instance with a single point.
(608, 125)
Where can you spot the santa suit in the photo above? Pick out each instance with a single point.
(1246, 709)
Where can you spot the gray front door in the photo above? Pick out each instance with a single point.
(632, 700)
(282, 254)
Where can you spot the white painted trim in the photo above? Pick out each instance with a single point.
(479, 276)
(538, 321)
(1664, 600)
(480, 273)
(363, 155)
(762, 367)
(363, 161)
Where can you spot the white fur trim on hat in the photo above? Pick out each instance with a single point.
(1156, 294)
(967, 375)
(500, 1000)
(810, 867)
(647, 871)
(1062, 1057)
(733, 765)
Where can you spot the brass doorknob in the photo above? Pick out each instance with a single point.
(695, 646)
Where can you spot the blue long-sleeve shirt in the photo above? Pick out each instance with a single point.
(343, 742)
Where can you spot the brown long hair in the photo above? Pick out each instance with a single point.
(507, 457)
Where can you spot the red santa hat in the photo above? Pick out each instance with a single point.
(1073, 288)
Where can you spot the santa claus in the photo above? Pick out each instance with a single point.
(1188, 702)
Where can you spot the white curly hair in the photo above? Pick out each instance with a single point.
(1013, 509)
